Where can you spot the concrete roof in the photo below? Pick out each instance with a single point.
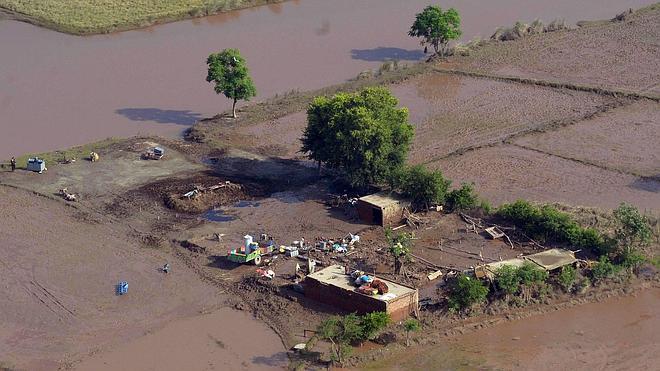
(548, 260)
(553, 258)
(382, 199)
(334, 275)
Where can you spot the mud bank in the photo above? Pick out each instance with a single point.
(223, 340)
(58, 90)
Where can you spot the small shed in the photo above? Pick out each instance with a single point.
(384, 209)
(36, 164)
(334, 287)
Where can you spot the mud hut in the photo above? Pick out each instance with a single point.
(334, 287)
(381, 208)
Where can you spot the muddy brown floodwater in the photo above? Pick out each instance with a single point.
(616, 334)
(58, 90)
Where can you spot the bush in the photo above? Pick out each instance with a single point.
(507, 279)
(546, 223)
(424, 187)
(632, 260)
(463, 198)
(531, 274)
(373, 323)
(466, 292)
(603, 269)
(567, 277)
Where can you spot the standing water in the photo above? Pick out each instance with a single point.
(58, 90)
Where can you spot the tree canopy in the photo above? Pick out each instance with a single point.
(228, 71)
(363, 135)
(436, 27)
(423, 186)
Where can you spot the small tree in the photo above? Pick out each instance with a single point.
(507, 279)
(411, 325)
(229, 72)
(423, 186)
(567, 278)
(373, 323)
(634, 230)
(341, 332)
(436, 27)
(399, 248)
(364, 135)
(464, 198)
(466, 292)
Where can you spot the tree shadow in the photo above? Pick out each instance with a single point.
(179, 117)
(648, 184)
(382, 54)
(279, 359)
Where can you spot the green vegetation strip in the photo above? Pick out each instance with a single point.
(83, 17)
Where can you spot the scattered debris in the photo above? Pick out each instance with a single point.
(68, 196)
(93, 156)
(434, 275)
(155, 153)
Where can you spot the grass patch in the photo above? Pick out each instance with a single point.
(102, 16)
(78, 153)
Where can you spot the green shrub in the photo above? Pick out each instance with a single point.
(411, 325)
(567, 278)
(603, 269)
(507, 279)
(466, 292)
(546, 223)
(530, 274)
(373, 323)
(424, 187)
(632, 260)
(463, 198)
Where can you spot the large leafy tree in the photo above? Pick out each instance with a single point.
(437, 27)
(229, 72)
(364, 135)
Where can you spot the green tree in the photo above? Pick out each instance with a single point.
(423, 186)
(507, 279)
(399, 248)
(229, 72)
(603, 269)
(363, 135)
(634, 230)
(464, 198)
(436, 27)
(373, 323)
(341, 332)
(411, 325)
(567, 277)
(466, 292)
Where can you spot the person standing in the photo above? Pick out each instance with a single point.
(13, 163)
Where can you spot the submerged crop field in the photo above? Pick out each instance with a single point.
(102, 16)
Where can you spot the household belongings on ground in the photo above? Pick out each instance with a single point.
(37, 165)
(68, 196)
(155, 153)
(341, 245)
(252, 251)
(93, 156)
(368, 285)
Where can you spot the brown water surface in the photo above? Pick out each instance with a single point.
(616, 334)
(58, 90)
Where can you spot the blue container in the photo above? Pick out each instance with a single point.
(36, 164)
(122, 288)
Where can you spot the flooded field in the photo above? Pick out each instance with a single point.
(507, 173)
(58, 90)
(624, 139)
(614, 334)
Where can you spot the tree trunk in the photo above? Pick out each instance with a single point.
(407, 338)
(319, 168)
(397, 266)
(233, 109)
